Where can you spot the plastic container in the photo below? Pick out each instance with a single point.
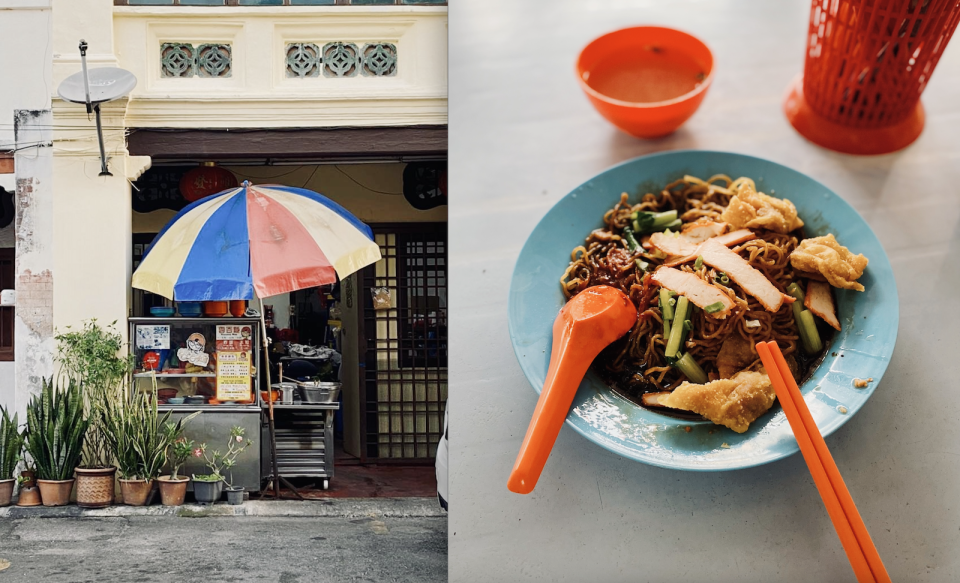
(646, 80)
(238, 307)
(867, 63)
(189, 309)
(215, 309)
(162, 311)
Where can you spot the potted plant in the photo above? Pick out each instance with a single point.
(173, 488)
(208, 487)
(134, 436)
(11, 444)
(29, 493)
(90, 356)
(55, 434)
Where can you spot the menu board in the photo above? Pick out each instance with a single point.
(234, 362)
(153, 337)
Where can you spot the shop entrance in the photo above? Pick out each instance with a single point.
(391, 362)
(404, 316)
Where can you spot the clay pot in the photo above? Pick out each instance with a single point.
(238, 307)
(95, 487)
(135, 492)
(55, 492)
(29, 497)
(173, 491)
(6, 491)
(30, 478)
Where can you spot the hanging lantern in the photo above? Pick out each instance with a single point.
(205, 180)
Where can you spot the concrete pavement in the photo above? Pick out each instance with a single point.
(389, 540)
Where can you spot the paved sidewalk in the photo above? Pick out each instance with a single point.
(328, 507)
(345, 540)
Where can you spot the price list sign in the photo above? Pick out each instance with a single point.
(234, 362)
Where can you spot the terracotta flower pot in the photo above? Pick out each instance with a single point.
(95, 487)
(55, 492)
(6, 491)
(135, 492)
(173, 491)
(29, 497)
(30, 478)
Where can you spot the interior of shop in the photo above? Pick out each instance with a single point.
(379, 333)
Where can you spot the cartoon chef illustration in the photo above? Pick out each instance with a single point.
(193, 352)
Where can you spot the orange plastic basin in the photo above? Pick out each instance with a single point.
(646, 80)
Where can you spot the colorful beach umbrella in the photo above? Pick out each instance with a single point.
(269, 239)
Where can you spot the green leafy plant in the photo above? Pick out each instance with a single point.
(56, 429)
(11, 444)
(179, 448)
(91, 356)
(220, 463)
(133, 431)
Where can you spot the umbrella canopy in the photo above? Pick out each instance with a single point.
(269, 239)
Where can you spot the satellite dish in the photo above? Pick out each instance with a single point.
(94, 87)
(105, 84)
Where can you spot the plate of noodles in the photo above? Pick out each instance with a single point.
(717, 251)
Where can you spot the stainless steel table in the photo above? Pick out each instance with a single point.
(523, 135)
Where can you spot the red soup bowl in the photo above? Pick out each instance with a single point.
(646, 80)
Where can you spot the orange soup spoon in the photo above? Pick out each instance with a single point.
(587, 324)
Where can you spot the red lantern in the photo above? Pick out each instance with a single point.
(206, 180)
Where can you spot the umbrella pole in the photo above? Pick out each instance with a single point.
(277, 478)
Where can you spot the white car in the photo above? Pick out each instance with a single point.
(443, 453)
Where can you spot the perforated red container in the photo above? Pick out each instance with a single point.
(867, 63)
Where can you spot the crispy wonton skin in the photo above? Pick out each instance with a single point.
(755, 210)
(824, 255)
(735, 402)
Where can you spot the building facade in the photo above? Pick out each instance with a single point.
(345, 98)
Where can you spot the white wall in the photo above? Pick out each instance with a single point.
(25, 61)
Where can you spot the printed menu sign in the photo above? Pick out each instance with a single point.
(153, 337)
(234, 361)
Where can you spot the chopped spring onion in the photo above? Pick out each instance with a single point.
(698, 263)
(666, 306)
(647, 222)
(631, 240)
(724, 278)
(713, 308)
(676, 333)
(751, 323)
(807, 322)
(666, 328)
(689, 367)
(809, 336)
(642, 265)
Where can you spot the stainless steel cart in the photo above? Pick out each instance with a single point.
(304, 441)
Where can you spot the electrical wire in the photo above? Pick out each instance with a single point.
(363, 186)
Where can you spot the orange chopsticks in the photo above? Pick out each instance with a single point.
(853, 533)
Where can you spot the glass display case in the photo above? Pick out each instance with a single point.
(204, 364)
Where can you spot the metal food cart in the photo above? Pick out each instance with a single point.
(156, 340)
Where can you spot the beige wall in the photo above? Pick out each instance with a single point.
(364, 201)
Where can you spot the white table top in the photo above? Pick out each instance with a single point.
(522, 135)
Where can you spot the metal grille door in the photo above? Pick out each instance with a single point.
(404, 314)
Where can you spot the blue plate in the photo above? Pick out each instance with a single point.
(862, 350)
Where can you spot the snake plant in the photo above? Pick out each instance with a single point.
(11, 444)
(55, 430)
(134, 433)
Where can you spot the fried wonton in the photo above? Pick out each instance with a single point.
(755, 210)
(735, 402)
(824, 255)
(736, 353)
